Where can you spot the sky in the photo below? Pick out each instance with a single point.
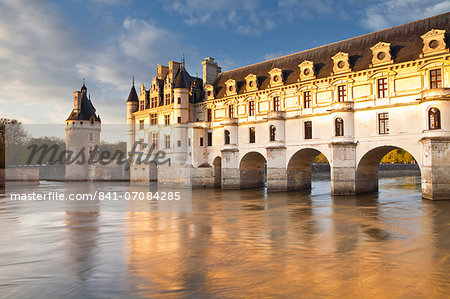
(47, 47)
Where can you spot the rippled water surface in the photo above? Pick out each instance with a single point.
(233, 244)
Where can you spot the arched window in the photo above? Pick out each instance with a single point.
(339, 125)
(434, 119)
(272, 132)
(227, 137)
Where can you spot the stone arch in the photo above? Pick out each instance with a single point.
(299, 168)
(252, 170)
(366, 177)
(217, 165)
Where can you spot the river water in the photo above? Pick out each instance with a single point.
(234, 244)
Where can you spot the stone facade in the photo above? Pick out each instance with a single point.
(83, 128)
(352, 101)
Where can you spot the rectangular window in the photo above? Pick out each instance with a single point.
(154, 102)
(276, 103)
(153, 119)
(189, 141)
(155, 138)
(435, 78)
(201, 141)
(91, 137)
(252, 135)
(342, 93)
(383, 123)
(179, 143)
(230, 111)
(141, 144)
(167, 99)
(141, 105)
(307, 99)
(179, 100)
(382, 88)
(210, 139)
(251, 108)
(167, 120)
(179, 119)
(308, 129)
(209, 115)
(167, 141)
(141, 124)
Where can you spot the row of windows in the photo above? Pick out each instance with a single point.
(382, 92)
(155, 141)
(154, 102)
(154, 120)
(434, 122)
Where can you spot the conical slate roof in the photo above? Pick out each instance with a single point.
(182, 79)
(133, 97)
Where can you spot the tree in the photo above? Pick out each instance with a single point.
(12, 135)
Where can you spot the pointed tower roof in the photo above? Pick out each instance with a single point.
(133, 97)
(87, 110)
(182, 79)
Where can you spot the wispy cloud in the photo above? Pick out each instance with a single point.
(246, 17)
(42, 60)
(252, 17)
(394, 12)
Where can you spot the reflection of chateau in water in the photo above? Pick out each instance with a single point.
(289, 244)
(353, 101)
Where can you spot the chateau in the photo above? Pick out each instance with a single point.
(263, 124)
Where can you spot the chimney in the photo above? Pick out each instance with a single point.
(210, 70)
(77, 97)
(173, 69)
(162, 71)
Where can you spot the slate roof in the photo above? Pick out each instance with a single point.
(133, 97)
(87, 109)
(182, 79)
(405, 40)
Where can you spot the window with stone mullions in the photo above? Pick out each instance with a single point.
(435, 78)
(153, 119)
(382, 87)
(251, 108)
(342, 93)
(276, 104)
(383, 123)
(307, 99)
(230, 111)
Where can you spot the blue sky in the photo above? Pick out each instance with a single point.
(47, 47)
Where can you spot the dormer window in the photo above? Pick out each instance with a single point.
(381, 53)
(276, 77)
(306, 70)
(252, 83)
(209, 92)
(341, 63)
(434, 42)
(231, 87)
